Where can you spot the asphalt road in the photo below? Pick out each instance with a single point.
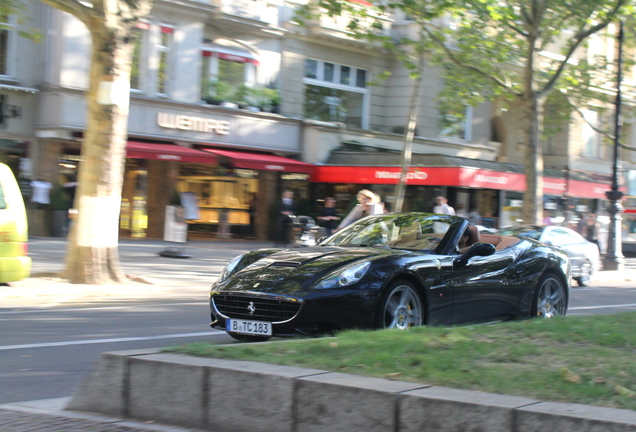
(52, 333)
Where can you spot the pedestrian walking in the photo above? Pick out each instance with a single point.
(442, 207)
(329, 217)
(286, 209)
(368, 204)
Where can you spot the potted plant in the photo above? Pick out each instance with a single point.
(267, 99)
(216, 92)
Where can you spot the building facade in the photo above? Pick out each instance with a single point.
(233, 100)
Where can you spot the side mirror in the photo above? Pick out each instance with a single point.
(478, 249)
(320, 240)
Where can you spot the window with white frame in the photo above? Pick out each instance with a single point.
(226, 74)
(336, 93)
(164, 48)
(456, 123)
(137, 70)
(7, 36)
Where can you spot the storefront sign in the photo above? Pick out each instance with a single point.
(8, 111)
(191, 123)
(455, 176)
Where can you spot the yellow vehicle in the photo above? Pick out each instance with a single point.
(14, 262)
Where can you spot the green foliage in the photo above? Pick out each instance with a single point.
(255, 96)
(25, 27)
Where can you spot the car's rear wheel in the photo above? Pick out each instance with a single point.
(585, 274)
(549, 298)
(400, 307)
(247, 338)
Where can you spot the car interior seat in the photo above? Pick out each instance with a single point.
(411, 233)
(472, 237)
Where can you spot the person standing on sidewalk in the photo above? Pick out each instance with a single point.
(592, 229)
(442, 207)
(286, 209)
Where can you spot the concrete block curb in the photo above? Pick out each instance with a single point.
(241, 396)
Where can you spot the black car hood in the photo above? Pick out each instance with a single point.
(289, 270)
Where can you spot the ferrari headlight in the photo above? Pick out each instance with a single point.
(345, 276)
(229, 268)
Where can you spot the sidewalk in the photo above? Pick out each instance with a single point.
(49, 416)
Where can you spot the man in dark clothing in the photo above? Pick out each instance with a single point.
(286, 209)
(329, 216)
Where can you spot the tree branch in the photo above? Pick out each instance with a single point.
(470, 67)
(581, 35)
(74, 7)
(592, 125)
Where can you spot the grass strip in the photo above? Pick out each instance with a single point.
(588, 360)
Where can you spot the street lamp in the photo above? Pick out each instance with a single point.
(614, 259)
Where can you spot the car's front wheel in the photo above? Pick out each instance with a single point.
(585, 274)
(549, 298)
(400, 307)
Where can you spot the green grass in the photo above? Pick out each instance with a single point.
(588, 360)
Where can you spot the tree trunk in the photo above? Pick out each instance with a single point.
(532, 112)
(92, 256)
(409, 134)
(533, 196)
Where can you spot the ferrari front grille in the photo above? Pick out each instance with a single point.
(256, 308)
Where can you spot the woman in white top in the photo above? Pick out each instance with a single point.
(368, 204)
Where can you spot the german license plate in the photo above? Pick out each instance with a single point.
(249, 327)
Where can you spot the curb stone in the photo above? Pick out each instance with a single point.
(241, 396)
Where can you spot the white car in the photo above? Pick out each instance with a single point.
(585, 257)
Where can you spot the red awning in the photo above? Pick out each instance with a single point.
(138, 150)
(257, 161)
(454, 176)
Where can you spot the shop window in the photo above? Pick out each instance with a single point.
(137, 69)
(336, 93)
(334, 105)
(164, 48)
(220, 191)
(455, 123)
(226, 76)
(7, 37)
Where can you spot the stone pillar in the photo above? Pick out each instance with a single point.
(266, 197)
(162, 181)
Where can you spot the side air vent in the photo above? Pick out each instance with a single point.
(284, 264)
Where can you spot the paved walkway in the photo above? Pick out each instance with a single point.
(153, 275)
(49, 416)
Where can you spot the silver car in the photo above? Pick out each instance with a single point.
(584, 255)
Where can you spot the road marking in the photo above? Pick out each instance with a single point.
(113, 340)
(603, 307)
(49, 309)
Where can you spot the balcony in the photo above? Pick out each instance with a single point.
(266, 12)
(338, 26)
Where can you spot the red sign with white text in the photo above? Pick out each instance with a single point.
(454, 176)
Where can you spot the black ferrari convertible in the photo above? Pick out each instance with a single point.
(390, 271)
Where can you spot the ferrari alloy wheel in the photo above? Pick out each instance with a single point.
(549, 299)
(401, 307)
(585, 274)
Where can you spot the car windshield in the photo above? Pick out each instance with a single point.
(411, 231)
(533, 232)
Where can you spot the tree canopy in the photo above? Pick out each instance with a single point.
(516, 52)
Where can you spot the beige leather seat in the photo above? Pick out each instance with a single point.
(472, 237)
